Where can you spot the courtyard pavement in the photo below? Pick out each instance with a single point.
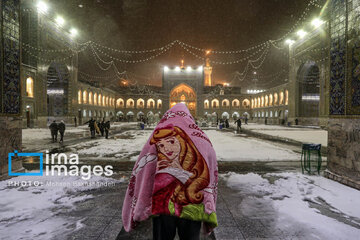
(102, 215)
(99, 217)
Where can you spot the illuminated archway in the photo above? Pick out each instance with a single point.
(140, 103)
(281, 101)
(159, 103)
(275, 99)
(120, 103)
(150, 103)
(215, 103)
(206, 104)
(90, 98)
(183, 93)
(85, 96)
(130, 103)
(29, 87)
(79, 97)
(270, 100)
(95, 99)
(246, 103)
(99, 99)
(225, 103)
(235, 103)
(266, 101)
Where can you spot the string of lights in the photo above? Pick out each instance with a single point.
(166, 48)
(222, 52)
(221, 62)
(50, 59)
(241, 76)
(83, 45)
(100, 77)
(134, 51)
(43, 8)
(299, 21)
(97, 58)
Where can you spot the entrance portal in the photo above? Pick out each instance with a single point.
(57, 90)
(183, 93)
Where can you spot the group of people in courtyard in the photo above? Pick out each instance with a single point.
(225, 123)
(98, 127)
(56, 128)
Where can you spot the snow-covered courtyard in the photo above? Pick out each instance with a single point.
(228, 146)
(40, 207)
(303, 207)
(305, 135)
(276, 205)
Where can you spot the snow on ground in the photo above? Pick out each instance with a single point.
(304, 136)
(125, 144)
(231, 147)
(228, 147)
(256, 126)
(31, 134)
(34, 212)
(299, 200)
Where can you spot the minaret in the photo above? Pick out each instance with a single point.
(207, 73)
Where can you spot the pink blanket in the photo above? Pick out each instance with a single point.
(176, 174)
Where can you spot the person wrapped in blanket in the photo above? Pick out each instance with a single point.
(179, 193)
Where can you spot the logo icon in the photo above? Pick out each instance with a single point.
(16, 153)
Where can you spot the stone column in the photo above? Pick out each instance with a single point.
(10, 85)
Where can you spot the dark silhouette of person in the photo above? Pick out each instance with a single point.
(54, 130)
(61, 127)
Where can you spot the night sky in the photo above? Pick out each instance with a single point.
(209, 24)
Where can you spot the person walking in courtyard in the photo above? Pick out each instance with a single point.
(227, 125)
(238, 125)
(91, 125)
(174, 180)
(61, 127)
(106, 128)
(54, 131)
(75, 121)
(102, 127)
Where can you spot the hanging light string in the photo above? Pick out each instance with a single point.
(83, 47)
(110, 63)
(165, 49)
(134, 51)
(241, 76)
(222, 52)
(100, 77)
(221, 62)
(301, 18)
(50, 59)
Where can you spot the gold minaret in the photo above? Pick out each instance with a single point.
(207, 73)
